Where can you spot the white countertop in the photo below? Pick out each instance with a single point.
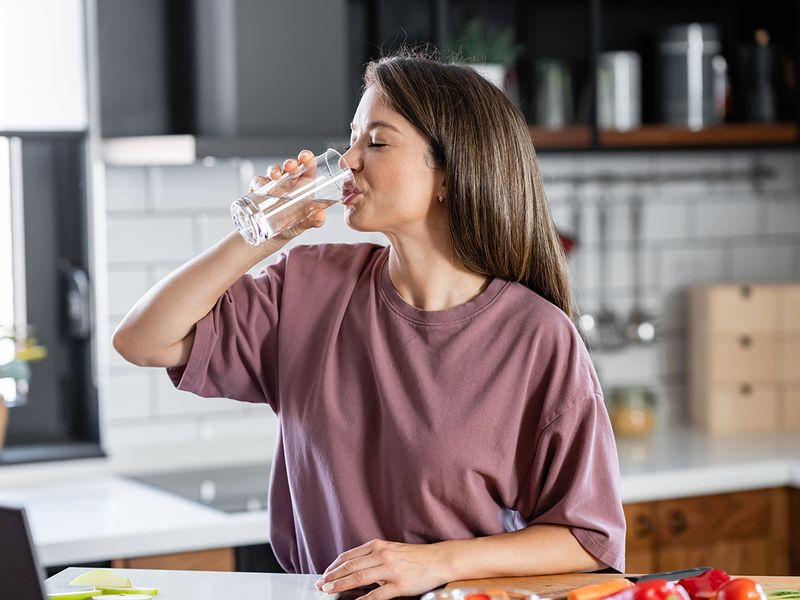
(205, 585)
(84, 512)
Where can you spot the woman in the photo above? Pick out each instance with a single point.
(439, 416)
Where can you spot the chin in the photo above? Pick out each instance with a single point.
(356, 223)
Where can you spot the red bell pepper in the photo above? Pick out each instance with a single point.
(702, 587)
(653, 589)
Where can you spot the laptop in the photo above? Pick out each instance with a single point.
(21, 575)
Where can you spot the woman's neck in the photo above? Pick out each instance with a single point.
(428, 275)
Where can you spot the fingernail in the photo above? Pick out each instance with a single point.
(276, 172)
(306, 154)
(318, 582)
(290, 163)
(327, 587)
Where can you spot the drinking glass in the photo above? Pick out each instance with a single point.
(284, 202)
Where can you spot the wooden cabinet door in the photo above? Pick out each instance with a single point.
(218, 559)
(640, 537)
(742, 532)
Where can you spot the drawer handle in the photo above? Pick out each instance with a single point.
(677, 522)
(746, 389)
(746, 291)
(644, 526)
(745, 341)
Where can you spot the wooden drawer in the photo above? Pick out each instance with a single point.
(746, 357)
(743, 408)
(218, 559)
(790, 359)
(790, 309)
(640, 537)
(747, 309)
(717, 517)
(790, 411)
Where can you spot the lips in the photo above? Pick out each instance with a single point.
(349, 191)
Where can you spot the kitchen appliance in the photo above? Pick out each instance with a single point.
(229, 489)
(186, 79)
(619, 93)
(692, 76)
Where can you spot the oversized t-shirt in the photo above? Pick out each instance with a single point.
(410, 425)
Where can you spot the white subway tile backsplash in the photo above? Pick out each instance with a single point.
(783, 216)
(125, 287)
(783, 165)
(210, 228)
(687, 265)
(262, 426)
(129, 396)
(666, 221)
(144, 434)
(767, 262)
(720, 218)
(171, 401)
(198, 186)
(126, 188)
(141, 239)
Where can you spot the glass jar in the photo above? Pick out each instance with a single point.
(632, 410)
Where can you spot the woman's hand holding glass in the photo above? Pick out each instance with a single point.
(289, 166)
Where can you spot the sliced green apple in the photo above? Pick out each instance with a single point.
(132, 590)
(123, 597)
(84, 595)
(105, 578)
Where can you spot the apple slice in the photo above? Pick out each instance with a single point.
(123, 597)
(127, 591)
(84, 595)
(102, 578)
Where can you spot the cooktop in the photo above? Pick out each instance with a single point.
(229, 489)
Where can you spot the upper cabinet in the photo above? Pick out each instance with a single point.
(42, 66)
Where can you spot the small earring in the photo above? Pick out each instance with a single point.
(441, 198)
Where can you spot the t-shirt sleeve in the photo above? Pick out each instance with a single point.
(235, 351)
(574, 480)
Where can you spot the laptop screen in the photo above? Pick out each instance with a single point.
(21, 577)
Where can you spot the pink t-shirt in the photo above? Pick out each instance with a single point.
(410, 425)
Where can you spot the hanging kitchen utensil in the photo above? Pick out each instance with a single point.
(608, 330)
(641, 326)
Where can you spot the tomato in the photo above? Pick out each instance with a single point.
(740, 589)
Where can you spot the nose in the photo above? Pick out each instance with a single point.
(353, 158)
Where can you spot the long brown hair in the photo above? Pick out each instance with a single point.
(499, 219)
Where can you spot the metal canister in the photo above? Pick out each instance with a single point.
(691, 74)
(619, 91)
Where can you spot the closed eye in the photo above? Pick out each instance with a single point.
(370, 145)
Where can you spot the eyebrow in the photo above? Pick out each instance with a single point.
(373, 124)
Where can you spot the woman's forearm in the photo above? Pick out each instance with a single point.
(535, 550)
(158, 330)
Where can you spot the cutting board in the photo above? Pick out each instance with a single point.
(556, 586)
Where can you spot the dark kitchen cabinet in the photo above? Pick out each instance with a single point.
(741, 532)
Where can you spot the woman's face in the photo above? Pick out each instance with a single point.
(398, 186)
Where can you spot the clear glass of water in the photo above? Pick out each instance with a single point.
(284, 202)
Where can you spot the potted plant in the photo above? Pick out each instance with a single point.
(488, 51)
(17, 349)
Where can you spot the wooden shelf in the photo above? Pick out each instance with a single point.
(568, 138)
(731, 134)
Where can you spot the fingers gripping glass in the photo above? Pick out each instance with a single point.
(284, 202)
